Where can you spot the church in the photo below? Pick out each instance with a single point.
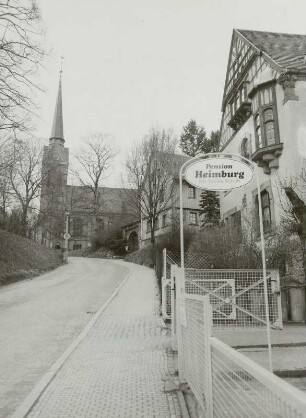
(63, 205)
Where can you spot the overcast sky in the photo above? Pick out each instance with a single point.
(132, 64)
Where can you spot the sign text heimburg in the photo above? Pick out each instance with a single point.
(219, 173)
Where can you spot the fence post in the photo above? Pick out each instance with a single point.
(208, 392)
(173, 306)
(179, 289)
(164, 277)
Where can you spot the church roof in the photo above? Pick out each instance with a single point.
(287, 50)
(58, 127)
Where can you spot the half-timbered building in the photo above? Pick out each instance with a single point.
(264, 120)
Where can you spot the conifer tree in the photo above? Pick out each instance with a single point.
(194, 141)
(210, 205)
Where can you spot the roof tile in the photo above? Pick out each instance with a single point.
(287, 50)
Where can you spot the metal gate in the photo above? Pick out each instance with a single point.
(237, 296)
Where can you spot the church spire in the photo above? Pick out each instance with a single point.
(57, 133)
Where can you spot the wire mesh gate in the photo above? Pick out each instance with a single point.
(237, 296)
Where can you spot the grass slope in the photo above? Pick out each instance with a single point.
(21, 258)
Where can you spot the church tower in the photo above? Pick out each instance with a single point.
(54, 182)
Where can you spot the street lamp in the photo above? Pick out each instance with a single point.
(66, 237)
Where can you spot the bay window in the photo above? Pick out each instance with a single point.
(265, 116)
(267, 138)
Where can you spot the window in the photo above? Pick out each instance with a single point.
(266, 210)
(148, 226)
(164, 220)
(246, 148)
(258, 131)
(265, 117)
(269, 126)
(162, 194)
(191, 192)
(193, 218)
(157, 224)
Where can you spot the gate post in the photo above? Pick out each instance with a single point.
(173, 305)
(180, 304)
(208, 392)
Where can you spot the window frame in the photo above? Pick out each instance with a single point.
(195, 214)
(246, 148)
(267, 226)
(148, 227)
(164, 220)
(193, 194)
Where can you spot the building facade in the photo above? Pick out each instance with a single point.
(263, 120)
(264, 107)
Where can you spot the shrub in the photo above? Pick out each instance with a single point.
(110, 238)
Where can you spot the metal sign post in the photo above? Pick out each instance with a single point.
(66, 237)
(221, 172)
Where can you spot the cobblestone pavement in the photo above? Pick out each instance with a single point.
(120, 368)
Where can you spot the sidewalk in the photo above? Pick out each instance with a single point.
(288, 347)
(120, 368)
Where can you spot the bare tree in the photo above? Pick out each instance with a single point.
(20, 56)
(5, 184)
(25, 174)
(150, 171)
(294, 208)
(93, 161)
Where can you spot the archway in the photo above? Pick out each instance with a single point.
(133, 241)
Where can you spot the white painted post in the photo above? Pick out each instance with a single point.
(173, 304)
(264, 273)
(180, 281)
(208, 392)
(181, 219)
(66, 235)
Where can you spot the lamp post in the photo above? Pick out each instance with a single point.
(66, 237)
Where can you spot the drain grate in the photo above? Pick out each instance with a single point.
(92, 312)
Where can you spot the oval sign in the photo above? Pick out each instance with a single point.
(218, 173)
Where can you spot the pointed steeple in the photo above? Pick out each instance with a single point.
(57, 133)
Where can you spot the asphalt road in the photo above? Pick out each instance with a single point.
(39, 318)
